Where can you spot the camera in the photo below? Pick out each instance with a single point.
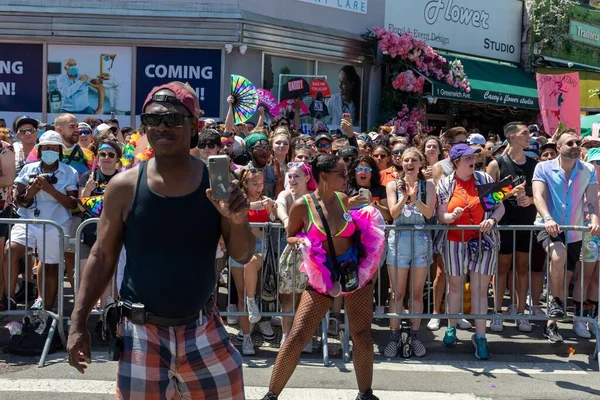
(51, 178)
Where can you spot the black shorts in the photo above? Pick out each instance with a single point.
(522, 241)
(573, 249)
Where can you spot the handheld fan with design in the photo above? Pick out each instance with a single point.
(245, 98)
(92, 204)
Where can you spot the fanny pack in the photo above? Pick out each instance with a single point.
(476, 246)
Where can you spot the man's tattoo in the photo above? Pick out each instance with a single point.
(591, 208)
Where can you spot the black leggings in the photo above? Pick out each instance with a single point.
(313, 306)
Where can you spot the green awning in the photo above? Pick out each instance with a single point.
(587, 122)
(492, 83)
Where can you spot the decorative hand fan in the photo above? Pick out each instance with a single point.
(92, 204)
(245, 98)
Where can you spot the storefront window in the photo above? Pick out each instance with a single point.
(345, 82)
(276, 65)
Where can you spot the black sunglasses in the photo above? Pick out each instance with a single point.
(455, 143)
(170, 119)
(205, 145)
(348, 159)
(570, 143)
(103, 154)
(397, 152)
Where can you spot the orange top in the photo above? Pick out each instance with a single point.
(465, 193)
(387, 175)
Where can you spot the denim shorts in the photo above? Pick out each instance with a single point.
(411, 249)
(258, 249)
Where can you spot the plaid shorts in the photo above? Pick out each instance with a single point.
(194, 361)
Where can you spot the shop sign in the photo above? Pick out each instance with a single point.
(357, 6)
(201, 68)
(584, 33)
(485, 96)
(487, 28)
(21, 77)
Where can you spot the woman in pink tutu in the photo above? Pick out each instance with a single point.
(357, 241)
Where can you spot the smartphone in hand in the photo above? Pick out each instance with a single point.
(219, 175)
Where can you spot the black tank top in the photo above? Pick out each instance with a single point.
(170, 244)
(515, 215)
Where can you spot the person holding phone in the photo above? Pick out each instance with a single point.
(138, 203)
(346, 103)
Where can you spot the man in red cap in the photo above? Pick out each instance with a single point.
(171, 337)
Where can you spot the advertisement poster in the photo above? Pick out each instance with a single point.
(559, 101)
(20, 80)
(201, 68)
(89, 80)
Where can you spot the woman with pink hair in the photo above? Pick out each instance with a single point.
(298, 182)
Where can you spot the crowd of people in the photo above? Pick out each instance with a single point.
(333, 192)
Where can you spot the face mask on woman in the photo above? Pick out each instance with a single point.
(49, 157)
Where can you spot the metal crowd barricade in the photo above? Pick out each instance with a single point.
(534, 229)
(78, 253)
(57, 317)
(274, 232)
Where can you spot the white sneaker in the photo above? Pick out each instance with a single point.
(581, 329)
(231, 320)
(434, 324)
(537, 310)
(266, 330)
(275, 321)
(283, 337)
(496, 325)
(38, 304)
(464, 324)
(253, 311)
(248, 346)
(523, 324)
(309, 347)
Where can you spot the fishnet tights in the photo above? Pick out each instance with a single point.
(311, 310)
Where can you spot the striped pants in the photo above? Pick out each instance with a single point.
(458, 260)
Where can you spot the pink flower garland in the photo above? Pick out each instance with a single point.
(422, 57)
(408, 81)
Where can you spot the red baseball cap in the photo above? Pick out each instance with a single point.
(182, 97)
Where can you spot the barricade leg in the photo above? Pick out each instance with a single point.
(324, 326)
(345, 337)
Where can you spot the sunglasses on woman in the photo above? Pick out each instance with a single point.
(170, 119)
(379, 155)
(104, 154)
(205, 145)
(85, 132)
(294, 164)
(367, 170)
(348, 159)
(323, 145)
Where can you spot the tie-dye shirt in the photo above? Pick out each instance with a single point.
(565, 198)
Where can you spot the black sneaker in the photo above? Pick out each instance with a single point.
(551, 333)
(367, 395)
(31, 292)
(269, 396)
(556, 309)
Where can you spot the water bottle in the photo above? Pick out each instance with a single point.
(405, 341)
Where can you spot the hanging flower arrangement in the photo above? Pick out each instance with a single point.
(408, 81)
(419, 55)
(407, 120)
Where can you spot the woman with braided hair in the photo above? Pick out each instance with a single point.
(357, 242)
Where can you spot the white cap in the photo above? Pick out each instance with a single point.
(83, 125)
(476, 138)
(50, 138)
(103, 127)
